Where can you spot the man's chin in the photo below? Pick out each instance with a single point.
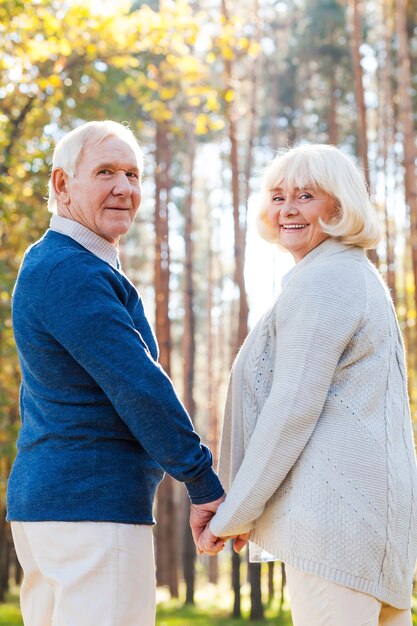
(113, 234)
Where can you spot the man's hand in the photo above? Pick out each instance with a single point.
(200, 515)
(209, 543)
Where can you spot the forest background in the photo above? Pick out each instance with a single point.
(212, 88)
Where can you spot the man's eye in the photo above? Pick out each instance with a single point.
(132, 175)
(104, 172)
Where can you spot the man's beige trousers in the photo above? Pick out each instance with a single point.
(86, 573)
(319, 602)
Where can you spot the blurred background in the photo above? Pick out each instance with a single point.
(212, 89)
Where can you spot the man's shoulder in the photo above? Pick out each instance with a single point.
(57, 251)
(58, 258)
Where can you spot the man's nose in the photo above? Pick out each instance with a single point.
(122, 186)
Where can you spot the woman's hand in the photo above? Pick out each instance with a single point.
(240, 541)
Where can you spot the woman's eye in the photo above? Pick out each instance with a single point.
(305, 196)
(277, 198)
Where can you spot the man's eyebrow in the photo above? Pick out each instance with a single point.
(112, 165)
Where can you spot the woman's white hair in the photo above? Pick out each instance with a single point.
(327, 168)
(69, 150)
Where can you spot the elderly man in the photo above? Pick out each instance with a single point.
(100, 419)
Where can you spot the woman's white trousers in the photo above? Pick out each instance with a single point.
(319, 602)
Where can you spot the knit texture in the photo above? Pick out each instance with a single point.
(317, 451)
(100, 418)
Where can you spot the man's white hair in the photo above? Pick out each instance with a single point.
(323, 167)
(69, 150)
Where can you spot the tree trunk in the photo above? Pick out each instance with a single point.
(356, 41)
(256, 607)
(332, 119)
(188, 557)
(405, 106)
(212, 388)
(166, 548)
(239, 232)
(253, 116)
(387, 134)
(390, 246)
(283, 582)
(237, 612)
(277, 107)
(408, 299)
(189, 553)
(162, 256)
(189, 316)
(387, 143)
(271, 584)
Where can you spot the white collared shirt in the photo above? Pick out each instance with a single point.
(86, 238)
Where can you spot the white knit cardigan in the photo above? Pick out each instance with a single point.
(317, 449)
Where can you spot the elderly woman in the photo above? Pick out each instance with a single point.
(317, 451)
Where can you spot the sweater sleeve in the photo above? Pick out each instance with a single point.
(84, 311)
(316, 318)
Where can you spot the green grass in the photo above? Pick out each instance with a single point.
(212, 609)
(175, 614)
(10, 612)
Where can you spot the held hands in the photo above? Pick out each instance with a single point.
(211, 545)
(206, 542)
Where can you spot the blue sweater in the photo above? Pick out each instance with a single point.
(100, 419)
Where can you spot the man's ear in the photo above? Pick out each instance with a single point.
(59, 181)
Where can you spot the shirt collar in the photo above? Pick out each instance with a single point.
(86, 238)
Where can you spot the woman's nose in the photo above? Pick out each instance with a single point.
(289, 207)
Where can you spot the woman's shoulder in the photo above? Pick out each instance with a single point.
(335, 282)
(341, 270)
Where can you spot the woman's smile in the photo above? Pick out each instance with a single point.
(293, 227)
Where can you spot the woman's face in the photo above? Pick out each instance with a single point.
(295, 214)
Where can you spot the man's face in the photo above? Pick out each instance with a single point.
(105, 193)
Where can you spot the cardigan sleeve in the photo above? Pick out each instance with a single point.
(85, 312)
(316, 318)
